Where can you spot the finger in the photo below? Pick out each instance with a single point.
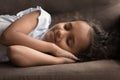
(75, 58)
(70, 55)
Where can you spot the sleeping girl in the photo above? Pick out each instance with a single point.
(27, 40)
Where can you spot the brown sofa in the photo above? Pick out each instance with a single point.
(106, 11)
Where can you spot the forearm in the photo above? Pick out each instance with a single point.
(25, 56)
(18, 38)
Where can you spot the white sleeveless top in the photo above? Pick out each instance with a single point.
(44, 20)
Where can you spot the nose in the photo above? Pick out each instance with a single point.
(60, 34)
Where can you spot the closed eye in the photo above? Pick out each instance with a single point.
(70, 41)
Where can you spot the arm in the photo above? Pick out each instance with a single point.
(25, 56)
(17, 34)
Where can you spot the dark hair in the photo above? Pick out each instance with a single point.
(102, 44)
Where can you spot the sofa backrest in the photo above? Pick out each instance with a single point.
(106, 11)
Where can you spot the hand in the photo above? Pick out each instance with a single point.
(61, 60)
(63, 53)
(66, 54)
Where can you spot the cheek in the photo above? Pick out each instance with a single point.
(63, 45)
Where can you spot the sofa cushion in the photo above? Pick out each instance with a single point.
(94, 70)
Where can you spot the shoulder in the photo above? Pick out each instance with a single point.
(38, 8)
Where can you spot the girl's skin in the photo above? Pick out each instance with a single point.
(62, 41)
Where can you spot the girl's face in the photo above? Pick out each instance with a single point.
(71, 36)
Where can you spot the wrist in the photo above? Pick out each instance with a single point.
(54, 49)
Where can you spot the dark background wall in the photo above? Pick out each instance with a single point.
(56, 6)
(105, 11)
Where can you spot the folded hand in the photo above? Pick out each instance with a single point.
(66, 54)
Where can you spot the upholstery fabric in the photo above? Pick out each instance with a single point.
(95, 70)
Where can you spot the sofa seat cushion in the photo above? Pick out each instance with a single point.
(93, 70)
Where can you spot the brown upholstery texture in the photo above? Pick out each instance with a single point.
(107, 12)
(95, 70)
